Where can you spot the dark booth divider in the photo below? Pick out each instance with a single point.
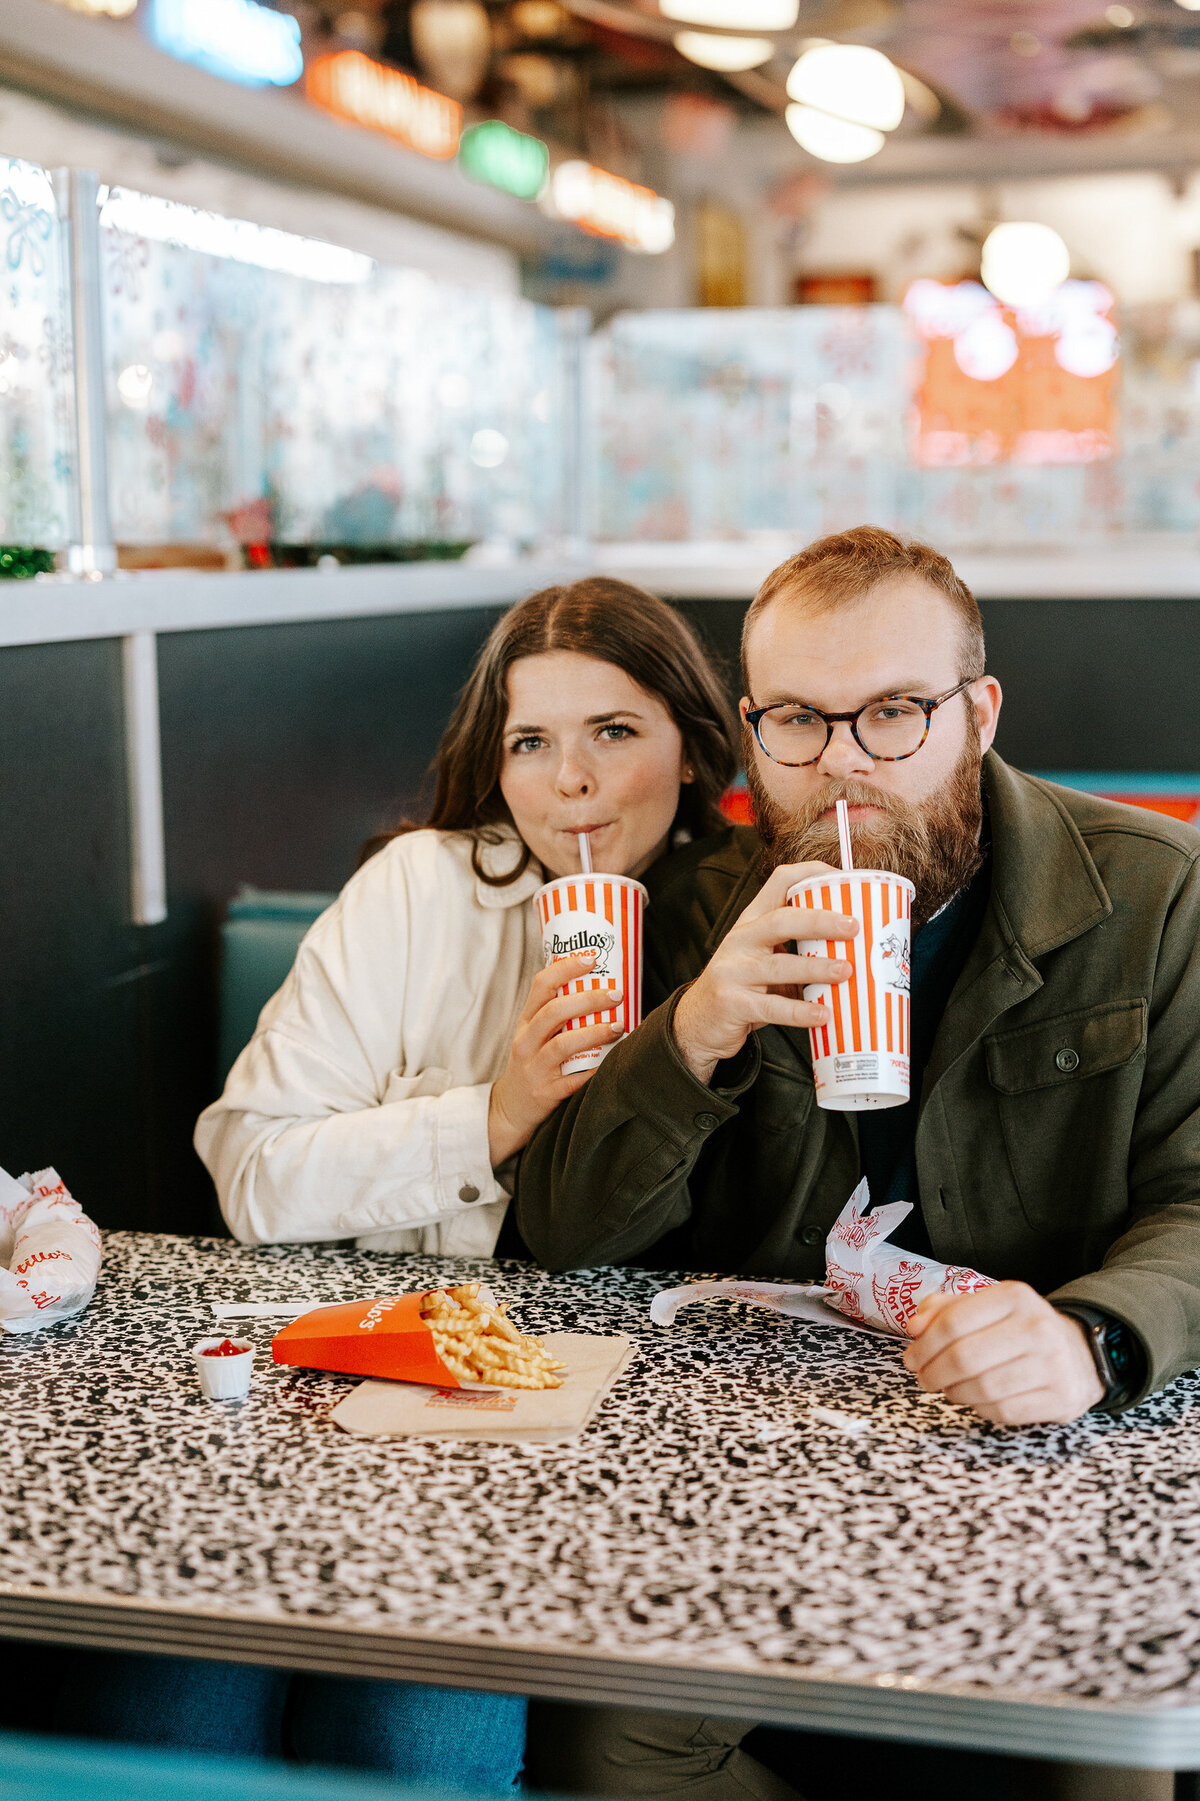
(283, 748)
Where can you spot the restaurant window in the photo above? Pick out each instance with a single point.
(295, 398)
(36, 426)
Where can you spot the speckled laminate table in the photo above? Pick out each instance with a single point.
(765, 1520)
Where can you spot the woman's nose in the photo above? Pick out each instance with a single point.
(574, 776)
(844, 756)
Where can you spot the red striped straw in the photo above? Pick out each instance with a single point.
(585, 853)
(843, 819)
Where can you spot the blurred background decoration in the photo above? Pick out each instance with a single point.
(935, 262)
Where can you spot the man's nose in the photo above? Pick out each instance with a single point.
(844, 756)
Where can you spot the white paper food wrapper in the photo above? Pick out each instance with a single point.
(876, 1283)
(49, 1253)
(871, 1284)
(798, 1300)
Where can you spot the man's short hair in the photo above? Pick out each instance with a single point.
(839, 571)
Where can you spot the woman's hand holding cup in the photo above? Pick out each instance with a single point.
(753, 980)
(533, 1083)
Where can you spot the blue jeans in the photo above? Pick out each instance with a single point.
(451, 1738)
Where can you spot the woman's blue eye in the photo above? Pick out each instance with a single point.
(527, 744)
(617, 731)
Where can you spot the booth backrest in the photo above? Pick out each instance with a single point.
(259, 941)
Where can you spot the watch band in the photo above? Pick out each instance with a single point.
(1116, 1353)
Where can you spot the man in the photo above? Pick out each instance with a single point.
(1053, 1136)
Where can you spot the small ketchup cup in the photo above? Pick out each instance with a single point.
(224, 1373)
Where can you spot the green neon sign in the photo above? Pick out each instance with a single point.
(503, 158)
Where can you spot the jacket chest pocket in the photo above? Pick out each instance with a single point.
(1066, 1089)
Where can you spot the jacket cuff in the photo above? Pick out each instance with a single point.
(1137, 1302)
(463, 1175)
(678, 1096)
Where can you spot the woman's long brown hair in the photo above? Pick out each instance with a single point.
(616, 623)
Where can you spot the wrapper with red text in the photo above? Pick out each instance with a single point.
(49, 1252)
(877, 1283)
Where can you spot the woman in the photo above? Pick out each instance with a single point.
(417, 1043)
(411, 1053)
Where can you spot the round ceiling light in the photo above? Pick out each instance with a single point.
(849, 81)
(729, 55)
(833, 140)
(1023, 264)
(733, 15)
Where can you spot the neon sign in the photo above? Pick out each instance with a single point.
(354, 87)
(493, 152)
(611, 207)
(235, 39)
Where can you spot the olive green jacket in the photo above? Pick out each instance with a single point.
(1059, 1132)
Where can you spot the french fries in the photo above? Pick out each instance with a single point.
(477, 1341)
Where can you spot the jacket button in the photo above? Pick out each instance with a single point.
(810, 1235)
(468, 1192)
(1066, 1061)
(706, 1121)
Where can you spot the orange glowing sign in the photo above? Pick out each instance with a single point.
(354, 87)
(1028, 385)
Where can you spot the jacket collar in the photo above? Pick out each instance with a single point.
(1046, 889)
(497, 859)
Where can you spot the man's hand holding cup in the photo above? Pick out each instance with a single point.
(754, 979)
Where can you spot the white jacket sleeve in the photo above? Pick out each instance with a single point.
(318, 1134)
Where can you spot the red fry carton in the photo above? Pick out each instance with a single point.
(385, 1338)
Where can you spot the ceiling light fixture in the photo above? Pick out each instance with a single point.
(1023, 264)
(833, 140)
(845, 97)
(851, 82)
(727, 54)
(734, 15)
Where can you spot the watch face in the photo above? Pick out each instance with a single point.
(1117, 1341)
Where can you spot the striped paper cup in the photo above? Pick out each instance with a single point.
(601, 913)
(861, 1058)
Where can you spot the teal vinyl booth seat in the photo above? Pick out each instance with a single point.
(45, 1769)
(259, 941)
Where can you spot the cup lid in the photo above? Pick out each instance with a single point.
(840, 875)
(597, 875)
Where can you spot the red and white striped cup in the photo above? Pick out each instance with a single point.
(861, 1058)
(601, 913)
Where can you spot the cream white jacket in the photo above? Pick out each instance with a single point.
(359, 1108)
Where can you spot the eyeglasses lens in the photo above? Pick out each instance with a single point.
(888, 728)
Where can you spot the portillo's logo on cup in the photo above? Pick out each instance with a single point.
(861, 1058)
(601, 913)
(587, 936)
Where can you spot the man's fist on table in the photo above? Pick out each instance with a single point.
(1006, 1353)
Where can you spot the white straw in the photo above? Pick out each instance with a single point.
(843, 819)
(585, 852)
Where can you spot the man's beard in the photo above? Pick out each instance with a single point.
(936, 844)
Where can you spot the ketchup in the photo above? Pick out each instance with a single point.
(226, 1348)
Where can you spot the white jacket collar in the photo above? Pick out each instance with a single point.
(497, 859)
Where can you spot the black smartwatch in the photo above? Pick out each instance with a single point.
(1116, 1352)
